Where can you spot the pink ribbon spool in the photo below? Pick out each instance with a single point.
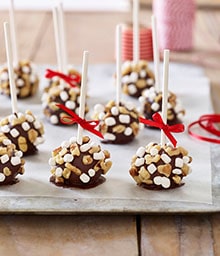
(146, 48)
(175, 20)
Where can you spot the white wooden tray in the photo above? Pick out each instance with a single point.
(119, 194)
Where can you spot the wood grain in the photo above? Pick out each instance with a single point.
(177, 235)
(68, 235)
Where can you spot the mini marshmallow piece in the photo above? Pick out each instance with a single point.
(114, 111)
(11, 118)
(151, 168)
(140, 152)
(101, 116)
(20, 82)
(125, 119)
(129, 105)
(139, 161)
(163, 181)
(110, 121)
(165, 158)
(6, 142)
(59, 172)
(73, 140)
(169, 106)
(126, 79)
(150, 81)
(39, 140)
(37, 124)
(52, 162)
(143, 73)
(4, 76)
(109, 136)
(26, 69)
(15, 160)
(91, 172)
(85, 147)
(20, 115)
(155, 106)
(128, 131)
(4, 159)
(186, 159)
(179, 162)
(70, 104)
(65, 144)
(19, 153)
(132, 89)
(133, 77)
(29, 118)
(2, 177)
(14, 133)
(98, 156)
(84, 178)
(153, 151)
(5, 129)
(54, 119)
(177, 171)
(64, 96)
(25, 126)
(98, 108)
(68, 158)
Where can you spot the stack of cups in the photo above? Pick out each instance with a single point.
(175, 20)
(146, 49)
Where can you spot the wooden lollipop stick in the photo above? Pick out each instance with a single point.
(156, 53)
(136, 39)
(62, 36)
(118, 64)
(165, 92)
(83, 94)
(8, 46)
(13, 32)
(58, 39)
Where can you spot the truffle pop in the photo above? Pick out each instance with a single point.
(161, 166)
(119, 121)
(79, 162)
(63, 89)
(136, 75)
(26, 78)
(11, 161)
(151, 98)
(24, 130)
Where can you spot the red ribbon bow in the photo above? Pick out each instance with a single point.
(72, 80)
(206, 122)
(167, 129)
(74, 118)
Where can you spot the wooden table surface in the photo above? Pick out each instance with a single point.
(110, 234)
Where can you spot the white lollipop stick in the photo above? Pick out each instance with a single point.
(13, 32)
(156, 53)
(57, 39)
(165, 92)
(118, 65)
(83, 94)
(136, 39)
(62, 36)
(8, 45)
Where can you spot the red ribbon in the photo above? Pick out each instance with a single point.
(167, 129)
(206, 122)
(74, 118)
(72, 80)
